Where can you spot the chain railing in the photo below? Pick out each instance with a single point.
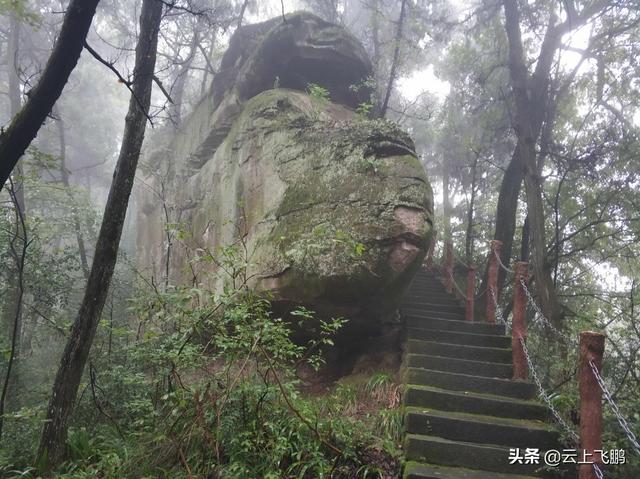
(449, 280)
(544, 396)
(614, 407)
(519, 338)
(540, 315)
(569, 340)
(597, 470)
(455, 285)
(502, 265)
(542, 393)
(592, 367)
(499, 314)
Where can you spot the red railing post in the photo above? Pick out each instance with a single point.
(471, 291)
(492, 280)
(519, 326)
(432, 247)
(591, 351)
(448, 267)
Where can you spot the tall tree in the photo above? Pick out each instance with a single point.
(64, 176)
(18, 248)
(52, 442)
(534, 99)
(12, 310)
(534, 106)
(527, 125)
(395, 61)
(66, 52)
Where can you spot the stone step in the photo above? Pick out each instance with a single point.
(431, 287)
(462, 411)
(422, 294)
(425, 291)
(418, 312)
(433, 303)
(475, 327)
(428, 291)
(432, 306)
(474, 353)
(419, 315)
(473, 403)
(428, 282)
(464, 366)
(436, 450)
(426, 278)
(416, 470)
(478, 429)
(456, 337)
(471, 383)
(431, 297)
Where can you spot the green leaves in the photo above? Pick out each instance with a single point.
(318, 92)
(21, 10)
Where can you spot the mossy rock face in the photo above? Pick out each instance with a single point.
(335, 209)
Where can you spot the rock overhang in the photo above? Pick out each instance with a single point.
(337, 207)
(293, 54)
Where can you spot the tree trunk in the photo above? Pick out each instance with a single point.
(535, 87)
(524, 243)
(13, 50)
(52, 442)
(382, 111)
(12, 305)
(469, 236)
(528, 122)
(64, 174)
(375, 37)
(66, 52)
(241, 15)
(446, 204)
(177, 92)
(505, 225)
(207, 55)
(18, 248)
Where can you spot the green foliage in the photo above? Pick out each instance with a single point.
(318, 92)
(364, 109)
(21, 10)
(368, 83)
(369, 164)
(206, 384)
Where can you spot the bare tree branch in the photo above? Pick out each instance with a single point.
(121, 79)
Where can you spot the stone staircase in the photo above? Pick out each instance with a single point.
(462, 411)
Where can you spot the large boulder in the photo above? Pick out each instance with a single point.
(304, 50)
(334, 209)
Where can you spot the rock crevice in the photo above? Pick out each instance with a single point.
(335, 209)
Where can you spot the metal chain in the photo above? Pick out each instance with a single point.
(502, 265)
(462, 293)
(568, 339)
(623, 422)
(498, 310)
(543, 394)
(453, 280)
(459, 260)
(597, 470)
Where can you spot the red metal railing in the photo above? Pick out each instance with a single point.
(591, 384)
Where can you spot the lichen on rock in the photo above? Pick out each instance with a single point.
(336, 208)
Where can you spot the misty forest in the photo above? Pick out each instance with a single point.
(320, 239)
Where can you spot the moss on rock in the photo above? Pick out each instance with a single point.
(336, 208)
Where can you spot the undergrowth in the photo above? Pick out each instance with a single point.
(205, 386)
